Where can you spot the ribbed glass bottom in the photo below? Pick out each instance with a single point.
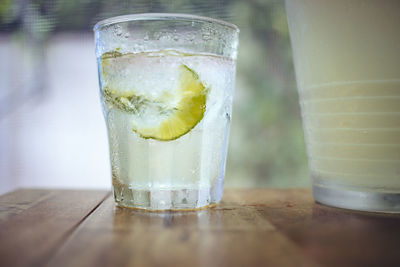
(373, 201)
(157, 199)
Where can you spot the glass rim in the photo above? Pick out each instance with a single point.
(162, 16)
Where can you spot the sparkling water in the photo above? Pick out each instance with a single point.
(183, 173)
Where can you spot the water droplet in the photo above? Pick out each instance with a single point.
(157, 35)
(206, 37)
(127, 35)
(191, 36)
(118, 30)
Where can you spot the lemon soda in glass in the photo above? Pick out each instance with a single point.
(167, 83)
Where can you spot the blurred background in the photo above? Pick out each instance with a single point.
(52, 131)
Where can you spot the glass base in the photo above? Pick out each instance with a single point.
(357, 200)
(167, 199)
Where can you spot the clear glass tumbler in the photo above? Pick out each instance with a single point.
(347, 63)
(166, 86)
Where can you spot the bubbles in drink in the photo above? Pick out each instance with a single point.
(168, 116)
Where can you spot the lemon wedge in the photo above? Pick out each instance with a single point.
(174, 118)
(188, 112)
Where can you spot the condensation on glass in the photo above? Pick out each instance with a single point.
(166, 85)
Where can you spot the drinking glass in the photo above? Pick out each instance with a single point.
(347, 63)
(166, 86)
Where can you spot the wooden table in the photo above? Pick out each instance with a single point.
(254, 227)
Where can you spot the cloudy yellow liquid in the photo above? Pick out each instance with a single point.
(187, 171)
(347, 59)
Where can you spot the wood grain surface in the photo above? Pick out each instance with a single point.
(251, 227)
(40, 221)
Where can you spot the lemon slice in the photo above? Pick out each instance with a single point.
(174, 118)
(188, 112)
